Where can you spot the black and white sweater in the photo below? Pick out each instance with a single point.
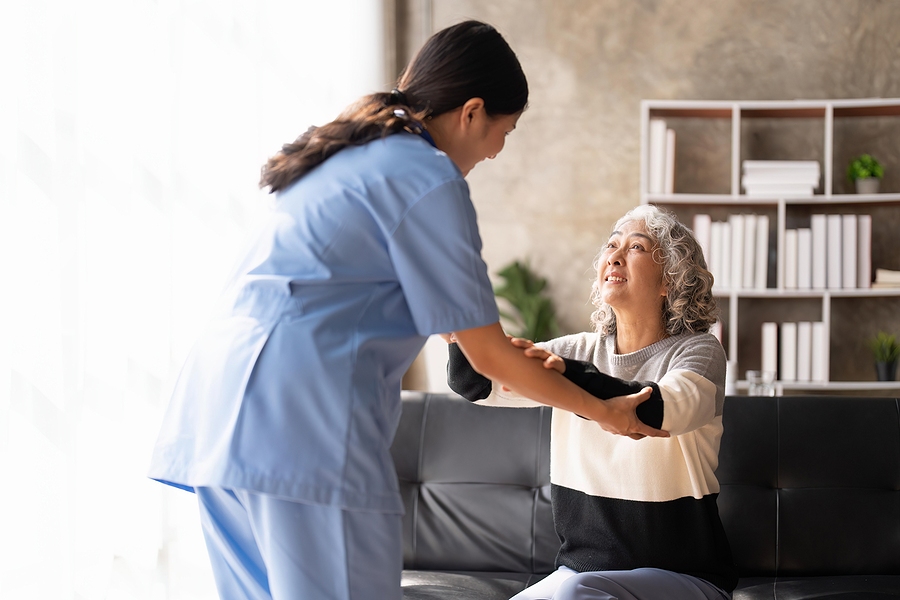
(620, 503)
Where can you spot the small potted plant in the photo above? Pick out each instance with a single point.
(886, 351)
(865, 172)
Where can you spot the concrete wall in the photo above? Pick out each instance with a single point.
(572, 166)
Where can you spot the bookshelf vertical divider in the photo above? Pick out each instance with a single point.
(779, 244)
(735, 150)
(828, 176)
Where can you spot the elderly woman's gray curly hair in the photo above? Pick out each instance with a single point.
(689, 304)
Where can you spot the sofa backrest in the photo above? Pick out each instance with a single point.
(811, 485)
(475, 481)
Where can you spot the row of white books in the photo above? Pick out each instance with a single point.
(834, 252)
(662, 158)
(780, 177)
(736, 250)
(797, 352)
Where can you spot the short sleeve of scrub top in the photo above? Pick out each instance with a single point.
(294, 391)
(436, 250)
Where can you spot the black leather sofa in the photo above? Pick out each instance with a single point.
(810, 497)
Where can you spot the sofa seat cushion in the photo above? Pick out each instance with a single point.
(446, 585)
(825, 587)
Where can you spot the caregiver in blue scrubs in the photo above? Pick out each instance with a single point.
(282, 418)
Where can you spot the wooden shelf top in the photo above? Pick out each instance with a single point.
(887, 110)
(787, 294)
(861, 107)
(704, 113)
(743, 199)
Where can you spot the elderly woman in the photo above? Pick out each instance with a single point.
(637, 518)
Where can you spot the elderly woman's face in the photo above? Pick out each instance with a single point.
(630, 279)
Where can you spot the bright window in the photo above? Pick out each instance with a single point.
(131, 138)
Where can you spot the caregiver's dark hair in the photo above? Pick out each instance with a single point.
(464, 61)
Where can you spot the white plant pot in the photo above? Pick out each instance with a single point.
(867, 185)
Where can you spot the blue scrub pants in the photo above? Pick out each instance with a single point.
(637, 584)
(267, 548)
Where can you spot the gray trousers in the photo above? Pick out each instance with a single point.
(637, 584)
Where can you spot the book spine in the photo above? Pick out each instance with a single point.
(761, 278)
(669, 171)
(749, 269)
(657, 156)
(848, 249)
(788, 352)
(819, 228)
(703, 233)
(762, 165)
(725, 263)
(715, 253)
(804, 351)
(864, 252)
(770, 347)
(834, 281)
(819, 344)
(737, 250)
(790, 259)
(804, 258)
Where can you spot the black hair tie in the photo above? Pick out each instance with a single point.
(398, 97)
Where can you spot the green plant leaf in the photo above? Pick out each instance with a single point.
(864, 166)
(885, 347)
(524, 290)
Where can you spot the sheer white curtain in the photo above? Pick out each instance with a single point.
(131, 137)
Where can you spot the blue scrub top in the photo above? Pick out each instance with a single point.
(294, 390)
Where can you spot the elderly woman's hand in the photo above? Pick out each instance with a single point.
(550, 360)
(622, 418)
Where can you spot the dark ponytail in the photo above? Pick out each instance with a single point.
(464, 61)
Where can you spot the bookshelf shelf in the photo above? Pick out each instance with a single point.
(867, 293)
(713, 162)
(831, 386)
(776, 294)
(719, 199)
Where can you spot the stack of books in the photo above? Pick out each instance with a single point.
(885, 278)
(780, 178)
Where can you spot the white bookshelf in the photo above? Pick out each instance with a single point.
(784, 210)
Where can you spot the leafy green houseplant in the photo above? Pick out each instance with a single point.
(533, 315)
(865, 171)
(886, 351)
